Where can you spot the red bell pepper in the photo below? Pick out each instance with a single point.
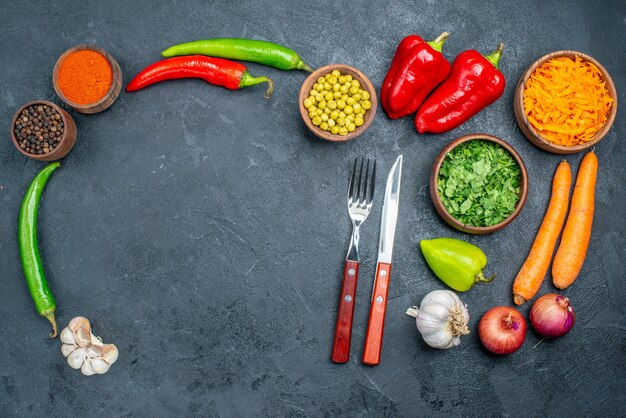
(416, 69)
(218, 71)
(474, 83)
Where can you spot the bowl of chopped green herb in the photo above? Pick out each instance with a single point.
(478, 184)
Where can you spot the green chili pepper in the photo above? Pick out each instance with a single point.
(457, 263)
(29, 250)
(262, 52)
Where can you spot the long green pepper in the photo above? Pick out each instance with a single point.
(29, 250)
(262, 52)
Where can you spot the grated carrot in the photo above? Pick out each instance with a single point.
(567, 101)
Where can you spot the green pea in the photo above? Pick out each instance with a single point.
(312, 115)
(341, 104)
(365, 95)
(328, 96)
(351, 127)
(337, 95)
(322, 104)
(343, 131)
(324, 126)
(331, 104)
(308, 103)
(335, 73)
(348, 110)
(331, 123)
(348, 77)
(327, 76)
(332, 80)
(341, 79)
(341, 122)
(366, 104)
(358, 121)
(342, 115)
(357, 97)
(327, 86)
(353, 90)
(317, 120)
(319, 87)
(357, 108)
(350, 118)
(350, 101)
(319, 112)
(355, 83)
(324, 117)
(344, 89)
(334, 130)
(334, 114)
(327, 110)
(319, 97)
(336, 86)
(321, 80)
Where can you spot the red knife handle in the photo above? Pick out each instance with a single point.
(343, 328)
(376, 324)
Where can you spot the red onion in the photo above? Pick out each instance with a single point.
(502, 330)
(552, 316)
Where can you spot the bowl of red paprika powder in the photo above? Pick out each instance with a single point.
(87, 78)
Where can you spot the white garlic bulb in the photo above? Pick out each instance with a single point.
(441, 319)
(84, 350)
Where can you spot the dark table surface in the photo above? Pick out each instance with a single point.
(203, 230)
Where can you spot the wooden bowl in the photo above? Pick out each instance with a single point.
(67, 140)
(109, 97)
(434, 175)
(365, 85)
(529, 130)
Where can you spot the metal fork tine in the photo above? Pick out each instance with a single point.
(352, 180)
(357, 191)
(373, 183)
(363, 193)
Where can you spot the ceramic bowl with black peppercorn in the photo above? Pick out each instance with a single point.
(43, 131)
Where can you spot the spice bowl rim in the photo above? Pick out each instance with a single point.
(366, 85)
(438, 203)
(68, 138)
(532, 134)
(109, 97)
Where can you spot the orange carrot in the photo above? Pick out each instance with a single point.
(575, 241)
(535, 267)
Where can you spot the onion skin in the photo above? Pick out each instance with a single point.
(502, 330)
(552, 316)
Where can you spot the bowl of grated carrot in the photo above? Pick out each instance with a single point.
(565, 102)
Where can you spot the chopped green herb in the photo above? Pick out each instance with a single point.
(479, 183)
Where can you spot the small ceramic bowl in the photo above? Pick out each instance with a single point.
(108, 99)
(365, 85)
(529, 130)
(67, 140)
(434, 175)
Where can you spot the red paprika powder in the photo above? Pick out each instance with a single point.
(85, 76)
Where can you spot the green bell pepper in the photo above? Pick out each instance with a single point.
(457, 263)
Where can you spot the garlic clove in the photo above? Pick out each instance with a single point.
(83, 337)
(99, 365)
(76, 358)
(94, 351)
(109, 353)
(67, 349)
(67, 336)
(78, 323)
(87, 370)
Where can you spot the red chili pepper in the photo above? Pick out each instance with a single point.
(416, 69)
(474, 83)
(218, 71)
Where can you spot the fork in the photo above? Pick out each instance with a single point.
(360, 197)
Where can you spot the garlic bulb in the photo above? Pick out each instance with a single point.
(441, 319)
(84, 350)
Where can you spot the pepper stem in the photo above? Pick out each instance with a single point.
(303, 66)
(247, 80)
(437, 44)
(412, 311)
(495, 56)
(482, 279)
(50, 317)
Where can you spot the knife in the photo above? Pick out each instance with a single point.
(388, 220)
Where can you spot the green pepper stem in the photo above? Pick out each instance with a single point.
(303, 66)
(437, 44)
(50, 317)
(495, 56)
(247, 80)
(482, 279)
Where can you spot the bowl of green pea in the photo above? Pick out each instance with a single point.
(337, 102)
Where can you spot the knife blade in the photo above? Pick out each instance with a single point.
(378, 307)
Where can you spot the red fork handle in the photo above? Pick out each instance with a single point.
(376, 324)
(343, 328)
